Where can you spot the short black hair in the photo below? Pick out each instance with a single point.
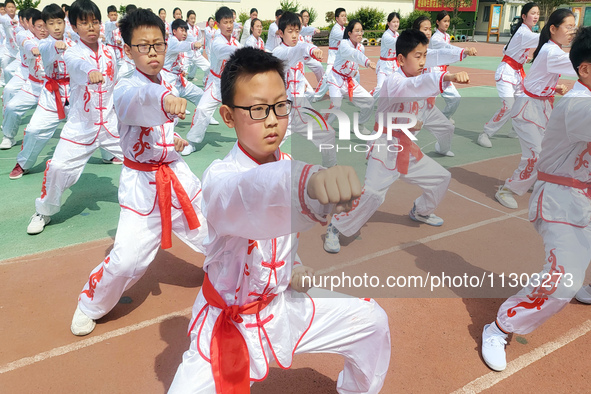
(350, 27)
(278, 13)
(52, 11)
(179, 24)
(130, 8)
(161, 9)
(190, 12)
(338, 11)
(111, 8)
(137, 19)
(417, 23)
(222, 13)
(244, 62)
(2, 5)
(176, 8)
(408, 40)
(83, 9)
(255, 20)
(289, 19)
(580, 50)
(35, 15)
(253, 10)
(9, 1)
(21, 13)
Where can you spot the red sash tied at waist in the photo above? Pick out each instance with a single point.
(564, 181)
(32, 78)
(408, 148)
(180, 75)
(550, 98)
(165, 178)
(350, 83)
(53, 85)
(230, 361)
(515, 65)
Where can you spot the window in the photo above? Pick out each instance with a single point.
(486, 16)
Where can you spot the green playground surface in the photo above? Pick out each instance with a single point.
(90, 210)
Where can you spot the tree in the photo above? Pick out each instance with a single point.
(369, 17)
(24, 4)
(329, 17)
(243, 17)
(455, 5)
(547, 7)
(313, 15)
(406, 23)
(288, 5)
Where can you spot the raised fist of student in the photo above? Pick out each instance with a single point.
(471, 51)
(179, 144)
(461, 77)
(336, 185)
(60, 46)
(561, 89)
(317, 53)
(372, 65)
(175, 106)
(35, 52)
(297, 278)
(196, 45)
(95, 77)
(316, 31)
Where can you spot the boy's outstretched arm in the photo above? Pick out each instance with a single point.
(337, 185)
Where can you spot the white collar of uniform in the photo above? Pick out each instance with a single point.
(580, 87)
(246, 160)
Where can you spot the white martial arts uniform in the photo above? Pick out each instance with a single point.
(388, 62)
(342, 80)
(253, 42)
(236, 31)
(221, 50)
(306, 33)
(335, 37)
(28, 96)
(401, 157)
(46, 117)
(509, 75)
(195, 59)
(532, 109)
(92, 123)
(272, 38)
(245, 32)
(450, 95)
(9, 56)
(296, 92)
(560, 209)
(21, 73)
(250, 255)
(175, 65)
(210, 34)
(125, 65)
(147, 140)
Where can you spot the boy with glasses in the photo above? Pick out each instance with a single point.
(158, 193)
(92, 122)
(253, 306)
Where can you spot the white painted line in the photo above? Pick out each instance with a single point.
(492, 378)
(424, 240)
(487, 206)
(59, 351)
(43, 255)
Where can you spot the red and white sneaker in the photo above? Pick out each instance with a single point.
(17, 172)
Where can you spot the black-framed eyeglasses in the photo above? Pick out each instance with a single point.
(262, 111)
(159, 47)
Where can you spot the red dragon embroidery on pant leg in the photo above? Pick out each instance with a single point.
(501, 113)
(110, 70)
(94, 279)
(43, 185)
(251, 245)
(541, 293)
(529, 168)
(580, 161)
(142, 145)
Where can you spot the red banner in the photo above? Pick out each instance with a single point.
(435, 5)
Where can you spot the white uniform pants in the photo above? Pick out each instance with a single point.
(354, 328)
(207, 105)
(381, 173)
(197, 61)
(65, 168)
(440, 126)
(13, 86)
(15, 110)
(507, 93)
(452, 101)
(38, 132)
(190, 92)
(9, 65)
(315, 66)
(361, 99)
(530, 133)
(137, 240)
(568, 251)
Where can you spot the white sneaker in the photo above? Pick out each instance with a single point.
(505, 197)
(213, 122)
(187, 112)
(484, 141)
(584, 294)
(493, 350)
(188, 150)
(81, 324)
(438, 150)
(431, 219)
(331, 242)
(37, 223)
(7, 143)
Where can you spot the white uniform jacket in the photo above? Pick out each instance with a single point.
(56, 73)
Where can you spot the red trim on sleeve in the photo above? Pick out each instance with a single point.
(462, 55)
(441, 82)
(302, 189)
(162, 105)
